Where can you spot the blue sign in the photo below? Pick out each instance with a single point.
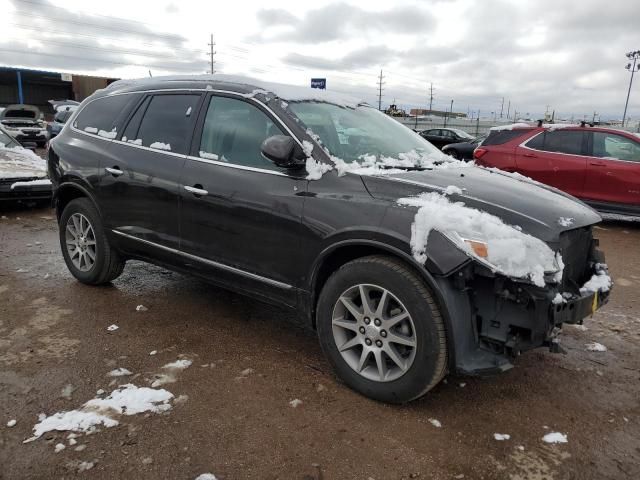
(319, 83)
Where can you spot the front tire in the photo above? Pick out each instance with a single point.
(85, 247)
(381, 330)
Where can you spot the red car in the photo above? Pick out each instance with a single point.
(601, 166)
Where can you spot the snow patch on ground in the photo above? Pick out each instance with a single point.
(501, 436)
(206, 476)
(141, 308)
(596, 347)
(112, 328)
(119, 372)
(11, 423)
(555, 437)
(509, 250)
(435, 423)
(295, 403)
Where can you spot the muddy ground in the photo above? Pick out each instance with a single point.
(232, 415)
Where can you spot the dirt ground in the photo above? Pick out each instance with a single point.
(231, 414)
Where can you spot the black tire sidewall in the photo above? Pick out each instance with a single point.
(425, 365)
(86, 208)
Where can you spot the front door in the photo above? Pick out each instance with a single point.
(140, 187)
(241, 215)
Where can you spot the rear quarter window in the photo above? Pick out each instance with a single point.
(500, 137)
(101, 115)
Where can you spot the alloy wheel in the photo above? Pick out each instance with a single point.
(81, 242)
(374, 332)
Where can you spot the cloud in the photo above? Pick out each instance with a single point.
(338, 21)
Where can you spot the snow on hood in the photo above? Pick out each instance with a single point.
(509, 250)
(292, 93)
(18, 162)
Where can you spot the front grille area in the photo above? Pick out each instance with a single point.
(575, 248)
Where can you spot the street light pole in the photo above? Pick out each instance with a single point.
(631, 56)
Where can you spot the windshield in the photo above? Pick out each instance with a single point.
(356, 133)
(7, 141)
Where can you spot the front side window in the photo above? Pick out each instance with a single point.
(167, 121)
(100, 115)
(615, 146)
(233, 132)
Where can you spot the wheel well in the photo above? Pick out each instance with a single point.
(339, 257)
(64, 196)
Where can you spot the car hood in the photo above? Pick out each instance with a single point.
(539, 210)
(21, 163)
(27, 112)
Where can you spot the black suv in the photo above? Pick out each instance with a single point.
(408, 263)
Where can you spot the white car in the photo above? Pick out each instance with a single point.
(25, 124)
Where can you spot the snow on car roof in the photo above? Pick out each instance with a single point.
(292, 93)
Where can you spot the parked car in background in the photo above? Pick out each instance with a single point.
(25, 124)
(440, 137)
(403, 259)
(23, 175)
(463, 150)
(601, 166)
(60, 118)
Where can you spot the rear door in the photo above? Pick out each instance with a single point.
(613, 170)
(140, 184)
(557, 158)
(241, 214)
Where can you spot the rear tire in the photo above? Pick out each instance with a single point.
(374, 353)
(85, 247)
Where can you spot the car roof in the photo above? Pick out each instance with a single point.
(243, 85)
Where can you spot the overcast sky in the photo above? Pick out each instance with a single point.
(569, 55)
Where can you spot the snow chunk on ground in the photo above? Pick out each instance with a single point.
(453, 190)
(295, 403)
(435, 423)
(125, 400)
(510, 126)
(11, 423)
(509, 250)
(501, 436)
(206, 476)
(31, 183)
(153, 352)
(59, 447)
(555, 437)
(599, 282)
(119, 372)
(179, 364)
(141, 308)
(160, 146)
(112, 328)
(596, 347)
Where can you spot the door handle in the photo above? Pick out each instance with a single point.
(115, 171)
(197, 190)
(598, 164)
(530, 155)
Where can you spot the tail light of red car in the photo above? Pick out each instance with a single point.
(479, 152)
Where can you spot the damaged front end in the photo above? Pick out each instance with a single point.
(496, 317)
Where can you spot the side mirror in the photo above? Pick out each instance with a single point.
(283, 151)
(30, 146)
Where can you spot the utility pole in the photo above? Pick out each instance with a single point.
(593, 119)
(212, 52)
(445, 114)
(430, 96)
(380, 83)
(501, 107)
(508, 109)
(632, 68)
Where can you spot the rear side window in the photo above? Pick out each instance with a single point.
(559, 141)
(166, 124)
(99, 117)
(500, 137)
